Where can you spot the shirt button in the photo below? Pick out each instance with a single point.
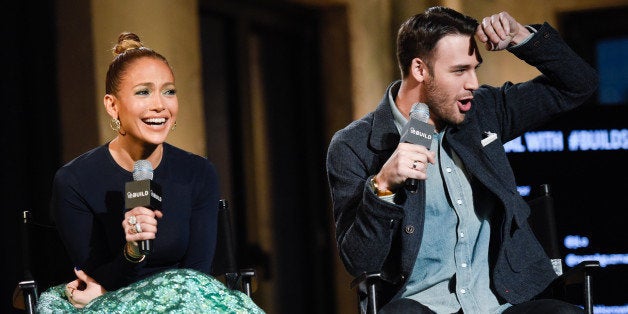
(409, 229)
(463, 291)
(462, 234)
(459, 202)
(464, 265)
(448, 169)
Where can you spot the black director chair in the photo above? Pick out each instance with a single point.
(38, 243)
(57, 270)
(234, 278)
(543, 222)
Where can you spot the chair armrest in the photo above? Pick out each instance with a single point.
(366, 278)
(581, 273)
(367, 282)
(373, 277)
(240, 280)
(25, 296)
(578, 273)
(246, 276)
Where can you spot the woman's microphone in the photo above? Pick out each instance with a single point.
(142, 192)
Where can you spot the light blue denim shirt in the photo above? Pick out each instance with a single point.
(451, 270)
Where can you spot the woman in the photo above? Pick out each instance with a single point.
(102, 236)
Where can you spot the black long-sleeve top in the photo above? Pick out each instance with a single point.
(88, 208)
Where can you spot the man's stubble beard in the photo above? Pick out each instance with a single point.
(439, 105)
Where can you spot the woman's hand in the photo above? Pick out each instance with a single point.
(140, 223)
(83, 290)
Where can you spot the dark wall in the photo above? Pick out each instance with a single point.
(285, 42)
(588, 185)
(29, 138)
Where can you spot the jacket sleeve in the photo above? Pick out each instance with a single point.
(365, 224)
(566, 81)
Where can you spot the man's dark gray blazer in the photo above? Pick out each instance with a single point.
(374, 235)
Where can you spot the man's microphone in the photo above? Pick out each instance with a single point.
(417, 131)
(142, 192)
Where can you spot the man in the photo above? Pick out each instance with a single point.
(461, 243)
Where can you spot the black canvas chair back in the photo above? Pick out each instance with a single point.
(225, 261)
(44, 261)
(542, 220)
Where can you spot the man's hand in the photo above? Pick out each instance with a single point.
(83, 290)
(499, 31)
(407, 161)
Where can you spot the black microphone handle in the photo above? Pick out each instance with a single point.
(412, 185)
(146, 246)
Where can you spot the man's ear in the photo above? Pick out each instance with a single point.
(418, 69)
(110, 105)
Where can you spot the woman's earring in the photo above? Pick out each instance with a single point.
(174, 126)
(115, 124)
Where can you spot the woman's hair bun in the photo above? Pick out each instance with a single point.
(127, 41)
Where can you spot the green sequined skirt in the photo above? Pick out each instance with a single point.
(172, 291)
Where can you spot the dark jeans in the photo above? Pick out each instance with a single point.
(543, 306)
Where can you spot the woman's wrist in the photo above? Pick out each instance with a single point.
(132, 253)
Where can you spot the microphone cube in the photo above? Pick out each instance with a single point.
(145, 193)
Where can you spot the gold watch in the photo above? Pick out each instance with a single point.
(376, 189)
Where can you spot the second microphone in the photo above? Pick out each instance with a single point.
(417, 131)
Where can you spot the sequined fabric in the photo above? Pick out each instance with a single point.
(173, 291)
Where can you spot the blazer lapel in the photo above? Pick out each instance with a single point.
(466, 142)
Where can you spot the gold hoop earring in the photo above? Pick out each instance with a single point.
(174, 126)
(115, 124)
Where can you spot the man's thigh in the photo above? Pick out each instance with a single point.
(544, 306)
(405, 306)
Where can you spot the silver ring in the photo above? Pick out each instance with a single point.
(138, 228)
(132, 220)
(415, 164)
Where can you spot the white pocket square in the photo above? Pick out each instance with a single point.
(489, 137)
